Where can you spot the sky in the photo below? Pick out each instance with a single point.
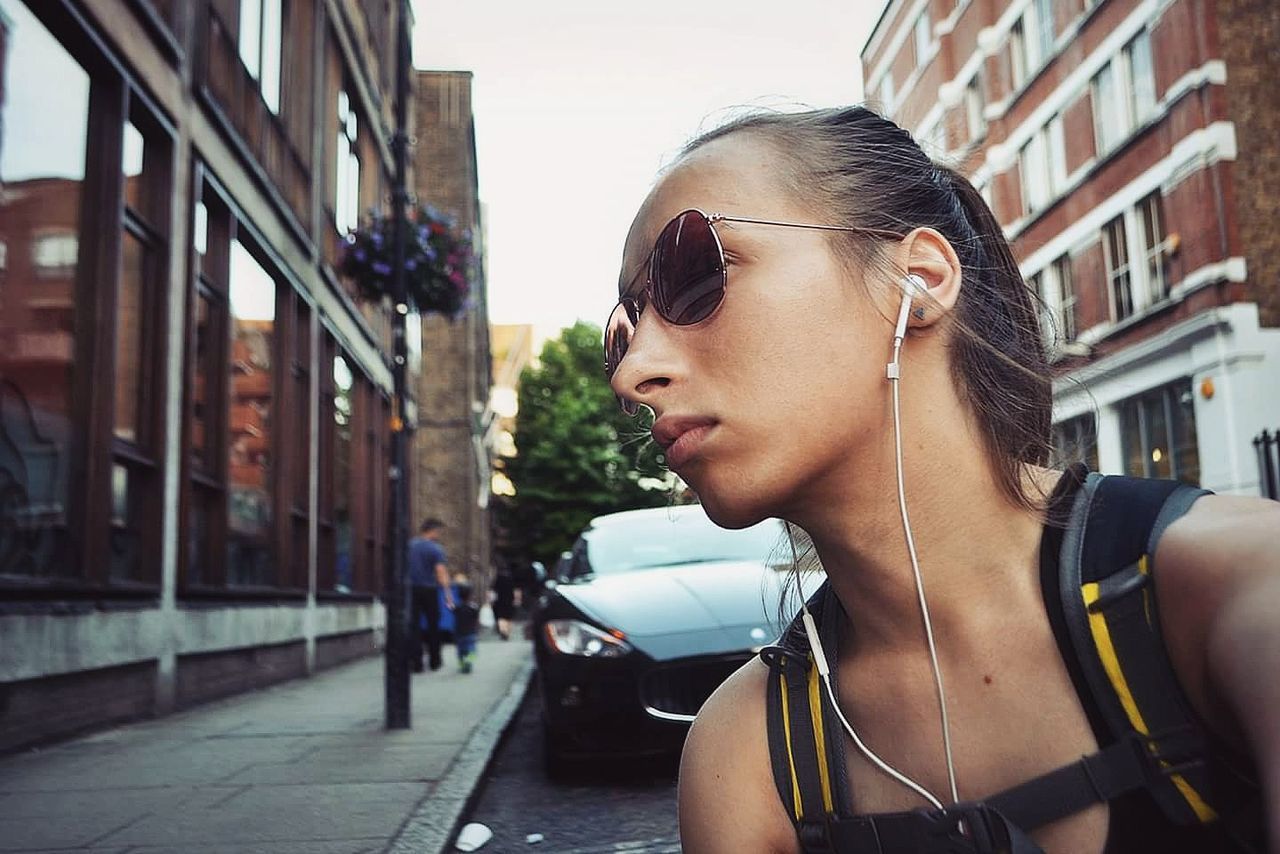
(579, 103)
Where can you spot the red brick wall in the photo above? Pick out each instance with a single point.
(1191, 210)
(1006, 195)
(1089, 272)
(1249, 31)
(208, 676)
(1078, 132)
(39, 710)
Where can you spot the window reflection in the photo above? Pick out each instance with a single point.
(126, 521)
(42, 157)
(129, 343)
(343, 386)
(250, 558)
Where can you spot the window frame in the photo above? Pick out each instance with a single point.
(1072, 435)
(1119, 272)
(1170, 400)
(922, 32)
(115, 98)
(270, 93)
(207, 485)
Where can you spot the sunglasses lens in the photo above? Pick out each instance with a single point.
(617, 338)
(686, 271)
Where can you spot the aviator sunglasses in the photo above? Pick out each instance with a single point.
(685, 279)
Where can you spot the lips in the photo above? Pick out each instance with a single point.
(680, 437)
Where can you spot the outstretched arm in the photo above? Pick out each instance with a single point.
(1218, 583)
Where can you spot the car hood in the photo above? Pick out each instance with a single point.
(717, 601)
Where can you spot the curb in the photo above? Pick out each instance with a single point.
(430, 828)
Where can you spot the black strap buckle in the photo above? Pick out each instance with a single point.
(975, 828)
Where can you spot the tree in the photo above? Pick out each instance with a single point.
(578, 455)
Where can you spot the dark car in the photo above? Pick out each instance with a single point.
(654, 609)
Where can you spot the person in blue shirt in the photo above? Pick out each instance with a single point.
(428, 575)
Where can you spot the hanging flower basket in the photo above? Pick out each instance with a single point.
(437, 265)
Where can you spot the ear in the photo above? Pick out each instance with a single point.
(925, 253)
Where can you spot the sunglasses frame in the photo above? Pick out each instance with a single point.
(630, 305)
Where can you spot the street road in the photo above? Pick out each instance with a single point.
(604, 809)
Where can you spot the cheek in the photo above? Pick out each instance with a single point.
(803, 387)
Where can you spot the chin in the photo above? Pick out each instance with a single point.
(730, 508)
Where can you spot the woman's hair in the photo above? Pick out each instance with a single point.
(865, 171)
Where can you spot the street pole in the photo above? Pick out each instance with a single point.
(396, 671)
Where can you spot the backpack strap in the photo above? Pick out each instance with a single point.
(1108, 600)
(805, 744)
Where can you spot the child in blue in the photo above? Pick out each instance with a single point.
(466, 622)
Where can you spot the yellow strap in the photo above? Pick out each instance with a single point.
(1111, 663)
(791, 761)
(819, 739)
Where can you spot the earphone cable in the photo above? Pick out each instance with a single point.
(824, 672)
(915, 568)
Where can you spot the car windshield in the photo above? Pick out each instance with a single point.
(665, 539)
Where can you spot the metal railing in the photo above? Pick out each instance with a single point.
(1267, 446)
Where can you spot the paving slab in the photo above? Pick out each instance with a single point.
(305, 766)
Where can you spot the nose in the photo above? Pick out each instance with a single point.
(649, 364)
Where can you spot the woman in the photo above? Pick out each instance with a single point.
(504, 599)
(772, 278)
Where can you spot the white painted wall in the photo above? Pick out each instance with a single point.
(36, 645)
(1224, 345)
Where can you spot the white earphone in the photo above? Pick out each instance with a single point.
(912, 286)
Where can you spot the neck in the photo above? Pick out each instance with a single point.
(977, 549)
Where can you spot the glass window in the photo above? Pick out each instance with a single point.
(1076, 440)
(1042, 12)
(251, 394)
(1034, 159)
(1153, 244)
(130, 329)
(974, 106)
(1142, 82)
(260, 46)
(886, 92)
(1110, 112)
(665, 538)
(343, 451)
(1018, 65)
(203, 354)
(1066, 297)
(346, 210)
(1116, 248)
(1055, 142)
(42, 170)
(1158, 432)
(923, 37)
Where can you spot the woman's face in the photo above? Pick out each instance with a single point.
(781, 390)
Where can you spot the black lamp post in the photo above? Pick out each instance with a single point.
(396, 671)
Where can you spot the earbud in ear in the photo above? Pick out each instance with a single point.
(912, 286)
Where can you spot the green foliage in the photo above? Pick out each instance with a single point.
(578, 455)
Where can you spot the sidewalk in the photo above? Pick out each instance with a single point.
(302, 767)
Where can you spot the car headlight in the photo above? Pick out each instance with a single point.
(574, 637)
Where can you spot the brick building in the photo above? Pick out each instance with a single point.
(1129, 149)
(454, 445)
(193, 406)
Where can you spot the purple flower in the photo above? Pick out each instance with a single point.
(359, 256)
(382, 269)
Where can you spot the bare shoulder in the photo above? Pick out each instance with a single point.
(1221, 553)
(728, 802)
